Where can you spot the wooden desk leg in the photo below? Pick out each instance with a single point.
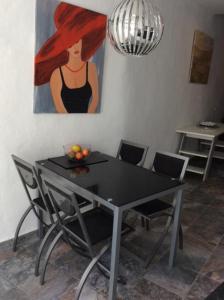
(209, 160)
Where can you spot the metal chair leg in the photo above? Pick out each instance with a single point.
(143, 221)
(159, 242)
(181, 238)
(88, 270)
(19, 227)
(48, 254)
(41, 227)
(41, 248)
(161, 239)
(157, 246)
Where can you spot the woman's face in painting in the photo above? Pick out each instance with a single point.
(76, 49)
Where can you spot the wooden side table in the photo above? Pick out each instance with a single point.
(205, 136)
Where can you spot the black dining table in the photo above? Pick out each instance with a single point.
(119, 186)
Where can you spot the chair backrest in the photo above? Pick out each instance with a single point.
(30, 180)
(132, 153)
(170, 164)
(64, 200)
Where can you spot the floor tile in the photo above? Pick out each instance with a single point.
(5, 286)
(214, 268)
(14, 294)
(191, 212)
(8, 291)
(18, 268)
(149, 290)
(209, 226)
(197, 197)
(68, 294)
(217, 294)
(29, 243)
(194, 254)
(201, 288)
(56, 284)
(89, 294)
(71, 263)
(142, 289)
(177, 280)
(214, 186)
(142, 242)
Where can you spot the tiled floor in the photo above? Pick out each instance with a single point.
(199, 269)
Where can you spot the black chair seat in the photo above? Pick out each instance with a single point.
(40, 203)
(152, 207)
(99, 225)
(82, 201)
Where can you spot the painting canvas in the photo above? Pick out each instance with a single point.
(69, 58)
(201, 58)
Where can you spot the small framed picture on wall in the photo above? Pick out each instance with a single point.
(201, 58)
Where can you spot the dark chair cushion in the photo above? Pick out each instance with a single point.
(99, 225)
(70, 209)
(40, 203)
(152, 207)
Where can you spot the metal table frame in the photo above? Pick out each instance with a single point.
(118, 213)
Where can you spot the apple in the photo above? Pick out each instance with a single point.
(85, 152)
(76, 148)
(79, 155)
(71, 154)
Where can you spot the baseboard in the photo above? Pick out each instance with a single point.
(25, 236)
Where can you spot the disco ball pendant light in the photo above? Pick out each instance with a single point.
(135, 27)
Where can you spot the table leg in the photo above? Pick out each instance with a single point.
(209, 160)
(115, 253)
(175, 227)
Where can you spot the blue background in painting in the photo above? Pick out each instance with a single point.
(45, 28)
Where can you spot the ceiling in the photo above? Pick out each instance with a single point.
(217, 6)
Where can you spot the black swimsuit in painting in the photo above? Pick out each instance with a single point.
(76, 100)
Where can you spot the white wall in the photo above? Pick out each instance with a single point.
(218, 64)
(162, 98)
(143, 99)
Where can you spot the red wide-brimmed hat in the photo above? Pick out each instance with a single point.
(72, 23)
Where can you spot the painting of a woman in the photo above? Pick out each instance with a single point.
(64, 61)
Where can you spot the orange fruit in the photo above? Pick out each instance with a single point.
(79, 155)
(85, 152)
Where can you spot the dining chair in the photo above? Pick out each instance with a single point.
(53, 231)
(132, 152)
(174, 166)
(32, 185)
(81, 230)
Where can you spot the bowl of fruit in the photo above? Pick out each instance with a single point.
(75, 152)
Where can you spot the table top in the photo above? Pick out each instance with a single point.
(115, 181)
(203, 131)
